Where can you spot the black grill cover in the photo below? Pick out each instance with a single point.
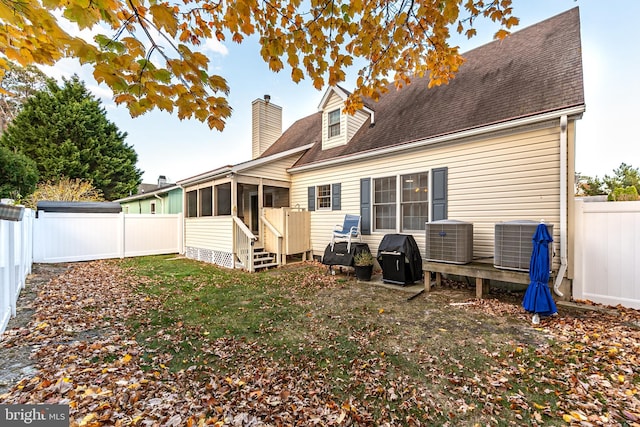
(406, 245)
(339, 254)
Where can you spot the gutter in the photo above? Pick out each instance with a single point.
(444, 138)
(563, 206)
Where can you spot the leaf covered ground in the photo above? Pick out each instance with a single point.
(161, 341)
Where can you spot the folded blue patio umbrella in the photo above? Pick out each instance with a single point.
(537, 298)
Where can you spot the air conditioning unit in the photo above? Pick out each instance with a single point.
(450, 241)
(513, 244)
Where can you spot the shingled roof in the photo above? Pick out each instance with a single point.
(533, 71)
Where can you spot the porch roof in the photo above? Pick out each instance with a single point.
(241, 167)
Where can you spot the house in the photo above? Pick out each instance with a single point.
(160, 198)
(495, 144)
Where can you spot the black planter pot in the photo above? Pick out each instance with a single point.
(363, 272)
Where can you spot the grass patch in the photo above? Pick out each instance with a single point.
(421, 359)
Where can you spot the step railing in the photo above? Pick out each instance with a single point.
(273, 239)
(243, 243)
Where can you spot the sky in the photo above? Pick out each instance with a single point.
(606, 136)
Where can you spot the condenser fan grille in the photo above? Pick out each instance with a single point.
(449, 241)
(513, 245)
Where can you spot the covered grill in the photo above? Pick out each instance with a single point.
(400, 259)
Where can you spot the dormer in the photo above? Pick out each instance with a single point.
(338, 127)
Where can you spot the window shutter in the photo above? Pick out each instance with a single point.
(311, 201)
(439, 202)
(365, 205)
(335, 197)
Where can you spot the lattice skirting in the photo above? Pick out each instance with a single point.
(223, 259)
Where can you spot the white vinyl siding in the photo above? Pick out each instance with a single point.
(334, 103)
(276, 169)
(515, 176)
(214, 233)
(355, 122)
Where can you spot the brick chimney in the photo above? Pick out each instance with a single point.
(162, 181)
(266, 120)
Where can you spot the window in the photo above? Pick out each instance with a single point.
(384, 203)
(153, 207)
(192, 204)
(415, 201)
(206, 202)
(223, 199)
(323, 197)
(334, 123)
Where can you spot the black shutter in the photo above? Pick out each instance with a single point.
(439, 182)
(335, 197)
(311, 201)
(365, 205)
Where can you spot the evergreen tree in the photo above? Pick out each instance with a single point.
(625, 176)
(66, 132)
(18, 174)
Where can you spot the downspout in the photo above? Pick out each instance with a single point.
(184, 220)
(563, 206)
(161, 201)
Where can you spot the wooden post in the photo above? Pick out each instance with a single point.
(427, 281)
(482, 287)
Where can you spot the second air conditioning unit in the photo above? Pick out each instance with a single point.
(513, 244)
(449, 241)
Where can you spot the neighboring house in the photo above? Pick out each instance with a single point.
(495, 144)
(160, 198)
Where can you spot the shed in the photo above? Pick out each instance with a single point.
(79, 207)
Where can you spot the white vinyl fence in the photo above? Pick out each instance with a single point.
(607, 253)
(16, 239)
(70, 237)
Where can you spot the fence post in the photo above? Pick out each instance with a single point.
(5, 284)
(578, 250)
(122, 234)
(11, 266)
(180, 233)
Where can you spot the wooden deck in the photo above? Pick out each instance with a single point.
(483, 273)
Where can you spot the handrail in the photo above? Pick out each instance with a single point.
(270, 226)
(276, 233)
(243, 244)
(242, 226)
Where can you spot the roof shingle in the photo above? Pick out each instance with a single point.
(535, 70)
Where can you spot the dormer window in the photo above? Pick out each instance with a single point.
(334, 123)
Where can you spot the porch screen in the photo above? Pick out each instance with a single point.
(223, 199)
(192, 204)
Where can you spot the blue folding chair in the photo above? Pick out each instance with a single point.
(348, 231)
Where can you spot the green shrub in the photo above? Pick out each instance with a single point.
(624, 194)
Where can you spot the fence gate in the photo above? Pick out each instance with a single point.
(607, 250)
